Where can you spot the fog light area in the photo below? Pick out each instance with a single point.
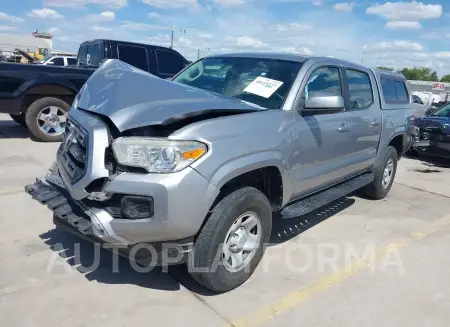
(137, 207)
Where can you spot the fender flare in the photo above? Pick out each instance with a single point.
(241, 165)
(46, 80)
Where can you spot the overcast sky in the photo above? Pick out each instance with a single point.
(395, 34)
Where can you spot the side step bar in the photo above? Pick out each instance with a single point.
(313, 202)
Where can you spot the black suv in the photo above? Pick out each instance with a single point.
(160, 61)
(38, 96)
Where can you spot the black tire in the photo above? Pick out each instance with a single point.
(33, 111)
(19, 119)
(375, 190)
(206, 265)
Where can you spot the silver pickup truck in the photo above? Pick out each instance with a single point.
(203, 161)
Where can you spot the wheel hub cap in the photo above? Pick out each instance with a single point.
(238, 240)
(52, 120)
(241, 242)
(387, 173)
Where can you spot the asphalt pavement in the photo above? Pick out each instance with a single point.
(355, 262)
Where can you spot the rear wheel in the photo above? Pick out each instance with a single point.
(384, 172)
(46, 119)
(232, 241)
(19, 119)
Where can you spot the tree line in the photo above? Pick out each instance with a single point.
(420, 74)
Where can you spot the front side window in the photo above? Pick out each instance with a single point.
(265, 82)
(324, 81)
(168, 62)
(359, 89)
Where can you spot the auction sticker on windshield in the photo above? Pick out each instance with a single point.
(264, 87)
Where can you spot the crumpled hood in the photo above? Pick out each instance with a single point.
(133, 98)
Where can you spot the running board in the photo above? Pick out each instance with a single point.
(313, 202)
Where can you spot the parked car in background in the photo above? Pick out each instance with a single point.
(160, 61)
(201, 162)
(419, 107)
(58, 61)
(432, 133)
(39, 96)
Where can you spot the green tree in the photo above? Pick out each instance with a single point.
(446, 78)
(386, 68)
(434, 77)
(420, 74)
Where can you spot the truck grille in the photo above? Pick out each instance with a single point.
(72, 153)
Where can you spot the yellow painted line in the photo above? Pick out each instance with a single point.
(264, 314)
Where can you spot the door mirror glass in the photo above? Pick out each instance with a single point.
(319, 103)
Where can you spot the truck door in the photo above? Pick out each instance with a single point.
(169, 63)
(133, 55)
(322, 136)
(363, 103)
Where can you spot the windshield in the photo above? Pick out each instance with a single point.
(90, 54)
(265, 82)
(443, 112)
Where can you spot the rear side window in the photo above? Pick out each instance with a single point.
(400, 89)
(394, 91)
(91, 54)
(135, 56)
(359, 89)
(57, 61)
(168, 62)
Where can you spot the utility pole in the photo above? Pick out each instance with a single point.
(362, 57)
(198, 52)
(172, 32)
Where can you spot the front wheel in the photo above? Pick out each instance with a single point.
(384, 172)
(232, 242)
(46, 119)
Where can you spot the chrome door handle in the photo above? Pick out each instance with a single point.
(343, 128)
(374, 123)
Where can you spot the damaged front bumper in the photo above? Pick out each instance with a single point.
(93, 224)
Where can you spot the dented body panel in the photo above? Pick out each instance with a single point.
(132, 98)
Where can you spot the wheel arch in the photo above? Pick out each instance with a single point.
(260, 170)
(38, 89)
(398, 142)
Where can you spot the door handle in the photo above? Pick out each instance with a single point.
(343, 128)
(374, 123)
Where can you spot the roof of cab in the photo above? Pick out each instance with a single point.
(379, 72)
(129, 43)
(287, 56)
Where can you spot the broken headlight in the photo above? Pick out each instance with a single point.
(157, 155)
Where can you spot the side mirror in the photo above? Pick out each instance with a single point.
(324, 104)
